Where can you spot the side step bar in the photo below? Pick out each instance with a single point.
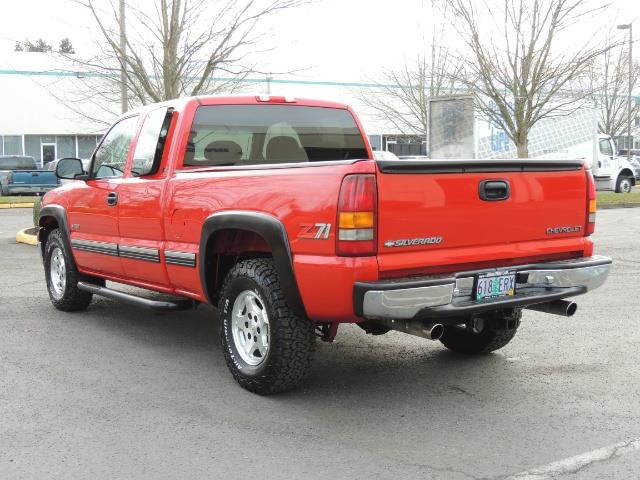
(161, 305)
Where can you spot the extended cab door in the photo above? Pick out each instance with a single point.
(140, 215)
(93, 205)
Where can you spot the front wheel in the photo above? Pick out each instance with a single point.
(267, 347)
(485, 335)
(62, 276)
(624, 184)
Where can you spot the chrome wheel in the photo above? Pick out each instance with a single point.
(250, 327)
(57, 273)
(625, 185)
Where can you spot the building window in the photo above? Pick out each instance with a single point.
(12, 145)
(86, 146)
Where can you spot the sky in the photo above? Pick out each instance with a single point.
(327, 40)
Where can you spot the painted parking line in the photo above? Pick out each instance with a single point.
(573, 464)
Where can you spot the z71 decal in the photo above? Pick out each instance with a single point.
(315, 231)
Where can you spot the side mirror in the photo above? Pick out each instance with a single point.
(70, 169)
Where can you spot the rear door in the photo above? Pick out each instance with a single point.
(93, 205)
(456, 212)
(140, 215)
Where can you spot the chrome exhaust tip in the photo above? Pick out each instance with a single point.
(430, 331)
(435, 331)
(558, 307)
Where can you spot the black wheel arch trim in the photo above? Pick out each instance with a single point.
(60, 215)
(274, 233)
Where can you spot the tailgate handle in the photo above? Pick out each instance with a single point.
(494, 190)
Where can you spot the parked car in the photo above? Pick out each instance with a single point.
(51, 166)
(275, 210)
(20, 175)
(384, 155)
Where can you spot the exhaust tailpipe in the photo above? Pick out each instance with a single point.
(430, 331)
(557, 307)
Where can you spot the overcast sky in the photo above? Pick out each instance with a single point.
(332, 40)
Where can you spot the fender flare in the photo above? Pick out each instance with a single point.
(60, 215)
(274, 233)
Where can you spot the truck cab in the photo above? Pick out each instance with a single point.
(610, 171)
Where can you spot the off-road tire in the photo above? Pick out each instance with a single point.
(624, 184)
(72, 299)
(291, 338)
(491, 338)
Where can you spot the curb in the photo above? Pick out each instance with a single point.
(16, 205)
(618, 205)
(23, 237)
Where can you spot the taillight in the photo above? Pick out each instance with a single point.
(357, 205)
(591, 204)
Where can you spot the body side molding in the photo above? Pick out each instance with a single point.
(274, 233)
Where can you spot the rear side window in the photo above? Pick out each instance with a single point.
(150, 145)
(18, 163)
(225, 135)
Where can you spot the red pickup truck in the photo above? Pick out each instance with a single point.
(274, 210)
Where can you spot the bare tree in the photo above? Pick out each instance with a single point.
(174, 48)
(519, 67)
(609, 82)
(402, 96)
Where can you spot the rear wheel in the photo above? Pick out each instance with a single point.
(624, 184)
(267, 347)
(484, 334)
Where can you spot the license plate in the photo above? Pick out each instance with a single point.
(495, 284)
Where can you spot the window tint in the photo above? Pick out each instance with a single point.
(111, 156)
(224, 135)
(605, 147)
(148, 152)
(18, 163)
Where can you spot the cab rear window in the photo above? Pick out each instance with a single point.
(18, 163)
(227, 135)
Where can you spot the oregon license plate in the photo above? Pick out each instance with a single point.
(495, 284)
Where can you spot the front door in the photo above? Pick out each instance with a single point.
(93, 206)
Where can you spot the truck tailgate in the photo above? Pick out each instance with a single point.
(436, 207)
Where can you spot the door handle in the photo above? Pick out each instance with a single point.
(112, 199)
(494, 190)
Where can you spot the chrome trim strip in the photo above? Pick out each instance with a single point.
(185, 259)
(140, 253)
(105, 248)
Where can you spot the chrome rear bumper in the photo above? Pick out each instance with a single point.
(451, 295)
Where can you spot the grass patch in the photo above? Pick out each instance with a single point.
(18, 199)
(612, 198)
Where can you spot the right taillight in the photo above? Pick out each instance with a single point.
(357, 216)
(591, 204)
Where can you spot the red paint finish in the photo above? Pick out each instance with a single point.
(166, 211)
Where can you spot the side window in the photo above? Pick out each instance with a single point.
(148, 152)
(605, 147)
(111, 156)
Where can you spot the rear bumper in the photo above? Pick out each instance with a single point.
(451, 295)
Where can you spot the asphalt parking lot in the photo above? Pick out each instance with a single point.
(119, 392)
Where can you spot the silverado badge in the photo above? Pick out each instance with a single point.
(410, 242)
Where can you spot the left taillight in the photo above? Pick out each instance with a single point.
(357, 216)
(591, 204)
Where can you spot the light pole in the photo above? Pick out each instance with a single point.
(628, 26)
